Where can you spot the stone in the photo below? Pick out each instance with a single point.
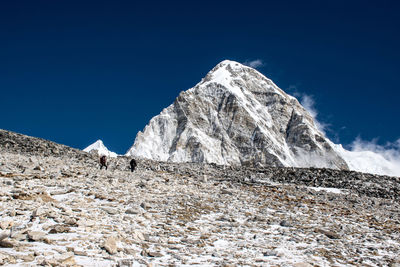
(154, 254)
(36, 235)
(6, 244)
(70, 221)
(137, 235)
(329, 234)
(28, 258)
(5, 224)
(59, 228)
(270, 253)
(285, 223)
(226, 192)
(48, 241)
(131, 211)
(144, 253)
(70, 261)
(147, 216)
(41, 211)
(79, 252)
(4, 235)
(145, 206)
(125, 263)
(49, 262)
(38, 168)
(46, 198)
(19, 236)
(110, 210)
(110, 245)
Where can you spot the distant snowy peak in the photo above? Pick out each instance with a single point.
(236, 116)
(100, 148)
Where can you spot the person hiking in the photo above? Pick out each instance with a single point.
(103, 162)
(132, 163)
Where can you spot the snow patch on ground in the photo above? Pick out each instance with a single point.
(330, 190)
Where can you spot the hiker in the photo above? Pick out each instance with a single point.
(133, 164)
(103, 162)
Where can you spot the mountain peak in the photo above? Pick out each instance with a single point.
(98, 143)
(236, 116)
(227, 62)
(230, 66)
(100, 148)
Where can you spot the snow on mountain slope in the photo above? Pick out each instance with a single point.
(101, 149)
(369, 162)
(236, 116)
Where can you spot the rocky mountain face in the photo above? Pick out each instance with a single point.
(236, 116)
(57, 208)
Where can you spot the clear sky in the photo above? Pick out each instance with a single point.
(77, 71)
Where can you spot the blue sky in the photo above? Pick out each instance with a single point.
(77, 71)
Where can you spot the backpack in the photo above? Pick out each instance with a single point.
(133, 163)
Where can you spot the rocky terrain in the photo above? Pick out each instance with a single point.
(58, 209)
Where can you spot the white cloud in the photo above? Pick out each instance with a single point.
(389, 150)
(307, 101)
(254, 63)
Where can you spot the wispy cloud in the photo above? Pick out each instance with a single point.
(390, 150)
(254, 63)
(308, 102)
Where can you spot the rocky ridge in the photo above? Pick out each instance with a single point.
(20, 143)
(61, 210)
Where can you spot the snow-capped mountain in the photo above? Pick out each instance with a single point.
(101, 149)
(236, 116)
